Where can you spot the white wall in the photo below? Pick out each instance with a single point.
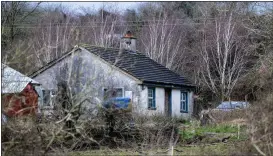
(142, 106)
(160, 103)
(176, 93)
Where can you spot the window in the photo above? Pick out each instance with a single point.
(184, 102)
(112, 93)
(119, 92)
(46, 97)
(151, 99)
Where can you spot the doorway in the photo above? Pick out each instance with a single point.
(168, 102)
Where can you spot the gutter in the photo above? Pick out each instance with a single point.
(168, 85)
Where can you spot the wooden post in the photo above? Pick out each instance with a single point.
(238, 135)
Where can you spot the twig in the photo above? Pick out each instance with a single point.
(258, 149)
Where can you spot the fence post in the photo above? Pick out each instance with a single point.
(238, 135)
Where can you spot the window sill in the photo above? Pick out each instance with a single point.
(181, 111)
(152, 108)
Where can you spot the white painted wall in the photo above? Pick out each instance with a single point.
(176, 93)
(142, 106)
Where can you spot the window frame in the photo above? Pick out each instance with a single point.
(153, 98)
(122, 90)
(51, 96)
(182, 100)
(45, 95)
(105, 89)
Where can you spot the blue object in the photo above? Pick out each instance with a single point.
(117, 103)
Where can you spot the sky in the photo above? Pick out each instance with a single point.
(121, 6)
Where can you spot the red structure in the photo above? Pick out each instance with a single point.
(23, 103)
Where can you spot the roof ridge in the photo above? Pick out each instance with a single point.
(96, 46)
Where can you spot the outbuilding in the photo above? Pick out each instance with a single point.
(18, 94)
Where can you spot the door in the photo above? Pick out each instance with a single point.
(168, 103)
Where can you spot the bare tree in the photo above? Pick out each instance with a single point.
(53, 36)
(101, 28)
(162, 38)
(13, 14)
(223, 50)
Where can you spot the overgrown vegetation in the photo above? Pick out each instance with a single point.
(224, 47)
(54, 136)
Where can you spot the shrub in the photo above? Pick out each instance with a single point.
(260, 126)
(21, 135)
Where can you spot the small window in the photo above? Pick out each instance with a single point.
(151, 99)
(46, 97)
(112, 93)
(184, 102)
(119, 92)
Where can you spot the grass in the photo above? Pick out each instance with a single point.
(192, 130)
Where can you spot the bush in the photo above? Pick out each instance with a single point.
(21, 136)
(51, 136)
(260, 126)
(220, 116)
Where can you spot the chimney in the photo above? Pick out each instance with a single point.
(128, 42)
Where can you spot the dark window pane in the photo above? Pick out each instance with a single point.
(119, 92)
(150, 103)
(150, 92)
(183, 102)
(151, 98)
(46, 97)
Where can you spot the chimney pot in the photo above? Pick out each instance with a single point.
(128, 41)
(128, 34)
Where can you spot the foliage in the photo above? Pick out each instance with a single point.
(260, 125)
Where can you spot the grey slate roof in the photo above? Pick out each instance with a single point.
(139, 66)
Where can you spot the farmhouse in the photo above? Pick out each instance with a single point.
(18, 94)
(95, 73)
